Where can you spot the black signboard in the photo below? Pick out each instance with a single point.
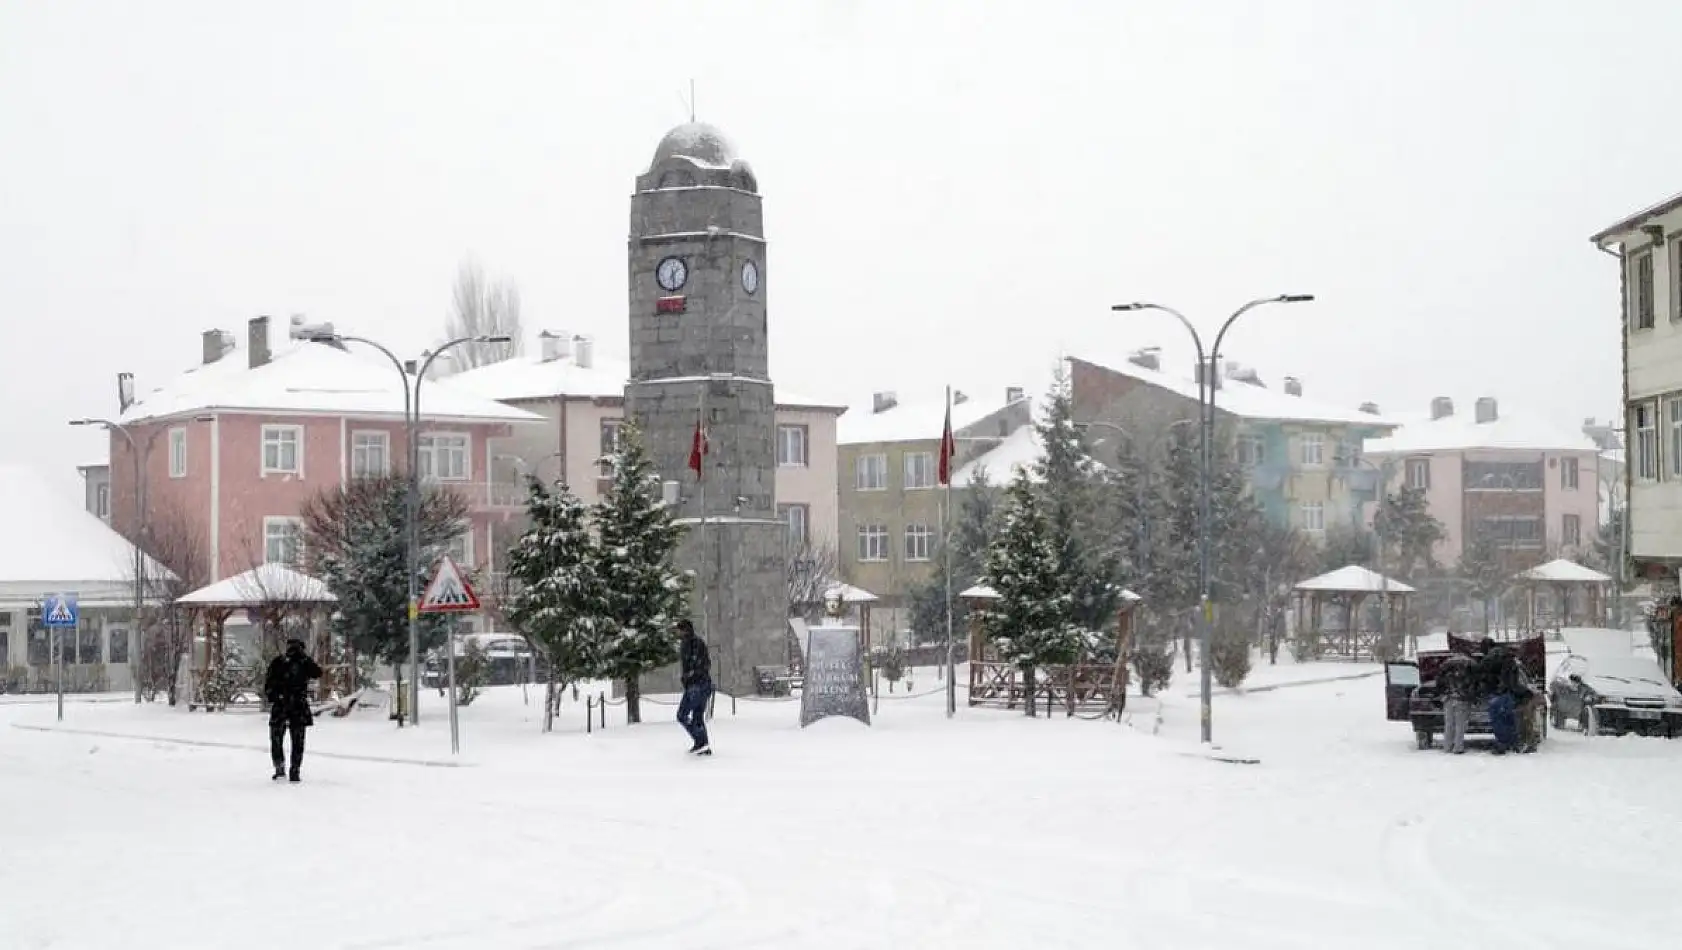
(834, 676)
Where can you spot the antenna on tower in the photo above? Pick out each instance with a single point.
(689, 101)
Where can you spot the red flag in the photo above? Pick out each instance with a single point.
(947, 444)
(697, 448)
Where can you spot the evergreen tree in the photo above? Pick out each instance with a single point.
(1410, 532)
(1070, 483)
(1346, 545)
(1032, 622)
(972, 531)
(354, 542)
(558, 601)
(645, 594)
(1482, 571)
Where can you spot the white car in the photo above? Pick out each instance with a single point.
(1616, 695)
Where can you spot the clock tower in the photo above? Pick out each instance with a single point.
(699, 355)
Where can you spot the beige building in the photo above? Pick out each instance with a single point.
(581, 398)
(889, 487)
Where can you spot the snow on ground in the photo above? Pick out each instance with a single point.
(991, 830)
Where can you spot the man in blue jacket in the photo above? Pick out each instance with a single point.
(697, 686)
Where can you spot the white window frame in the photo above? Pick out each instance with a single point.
(1313, 517)
(1315, 441)
(1570, 473)
(796, 516)
(271, 527)
(920, 471)
(919, 543)
(178, 452)
(464, 541)
(102, 500)
(872, 543)
(429, 451)
(1646, 442)
(1641, 302)
(1568, 537)
(1417, 466)
(1673, 416)
(607, 446)
(1252, 450)
(793, 442)
(361, 441)
(273, 435)
(867, 464)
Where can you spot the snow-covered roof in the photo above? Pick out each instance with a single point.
(981, 592)
(533, 377)
(1019, 451)
(851, 595)
(266, 583)
(699, 142)
(913, 421)
(1561, 570)
(1463, 432)
(306, 378)
(1354, 579)
(51, 539)
(1249, 401)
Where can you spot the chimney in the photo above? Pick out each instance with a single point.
(1014, 394)
(882, 402)
(583, 351)
(257, 341)
(1243, 374)
(1485, 410)
(1150, 358)
(1441, 408)
(959, 397)
(1370, 408)
(556, 346)
(1293, 386)
(1214, 378)
(125, 392)
(217, 344)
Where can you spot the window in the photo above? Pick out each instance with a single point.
(1314, 516)
(1419, 473)
(611, 429)
(1571, 530)
(102, 500)
(119, 645)
(1252, 451)
(460, 549)
(1641, 291)
(1646, 441)
(283, 540)
(872, 473)
(1569, 473)
(919, 542)
(88, 644)
(791, 446)
(443, 456)
(370, 454)
(919, 470)
(1511, 531)
(5, 640)
(283, 450)
(40, 646)
(178, 453)
(796, 518)
(1673, 409)
(1313, 448)
(1676, 281)
(873, 542)
(1503, 476)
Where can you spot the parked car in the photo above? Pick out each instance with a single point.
(1615, 695)
(508, 659)
(1410, 687)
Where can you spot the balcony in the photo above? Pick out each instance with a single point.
(483, 496)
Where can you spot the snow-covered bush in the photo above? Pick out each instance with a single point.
(1229, 655)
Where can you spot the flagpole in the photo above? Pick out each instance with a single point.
(946, 556)
(701, 574)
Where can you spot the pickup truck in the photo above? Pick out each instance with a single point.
(1410, 687)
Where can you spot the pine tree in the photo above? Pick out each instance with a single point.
(354, 542)
(1482, 571)
(558, 602)
(1070, 483)
(645, 594)
(1410, 532)
(1032, 622)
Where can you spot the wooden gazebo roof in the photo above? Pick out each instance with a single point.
(1353, 579)
(260, 586)
(1563, 571)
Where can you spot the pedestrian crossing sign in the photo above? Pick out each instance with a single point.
(60, 610)
(449, 591)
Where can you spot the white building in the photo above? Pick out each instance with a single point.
(1648, 246)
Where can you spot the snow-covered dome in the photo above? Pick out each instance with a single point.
(698, 142)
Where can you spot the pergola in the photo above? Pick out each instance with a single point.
(1347, 591)
(274, 598)
(1562, 578)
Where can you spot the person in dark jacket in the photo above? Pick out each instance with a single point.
(287, 690)
(1456, 681)
(696, 665)
(1500, 671)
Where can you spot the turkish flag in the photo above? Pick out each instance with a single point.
(697, 448)
(947, 445)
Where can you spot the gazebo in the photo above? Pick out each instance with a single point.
(1346, 591)
(1571, 585)
(279, 602)
(992, 679)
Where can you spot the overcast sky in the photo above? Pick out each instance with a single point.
(955, 192)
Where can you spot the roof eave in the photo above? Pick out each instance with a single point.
(1623, 227)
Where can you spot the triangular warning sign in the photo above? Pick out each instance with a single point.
(60, 614)
(448, 591)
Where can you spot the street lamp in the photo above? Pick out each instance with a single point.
(411, 504)
(1207, 363)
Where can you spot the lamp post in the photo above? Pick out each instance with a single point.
(139, 534)
(1207, 363)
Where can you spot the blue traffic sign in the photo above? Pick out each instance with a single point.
(60, 610)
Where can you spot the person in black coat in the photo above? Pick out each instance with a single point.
(1501, 677)
(287, 690)
(696, 664)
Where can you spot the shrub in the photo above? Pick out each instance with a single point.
(1229, 656)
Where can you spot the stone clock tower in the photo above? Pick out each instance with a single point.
(699, 352)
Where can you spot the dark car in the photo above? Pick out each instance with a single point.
(1615, 695)
(1410, 687)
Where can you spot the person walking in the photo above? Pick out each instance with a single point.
(1456, 680)
(696, 665)
(287, 689)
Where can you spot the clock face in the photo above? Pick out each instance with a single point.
(750, 277)
(672, 273)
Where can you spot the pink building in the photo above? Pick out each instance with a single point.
(1532, 484)
(232, 448)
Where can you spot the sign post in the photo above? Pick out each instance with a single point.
(58, 613)
(449, 593)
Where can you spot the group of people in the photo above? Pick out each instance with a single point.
(287, 689)
(1494, 680)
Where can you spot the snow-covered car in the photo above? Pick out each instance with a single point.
(1615, 695)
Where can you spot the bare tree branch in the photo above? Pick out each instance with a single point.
(482, 307)
(179, 565)
(812, 569)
